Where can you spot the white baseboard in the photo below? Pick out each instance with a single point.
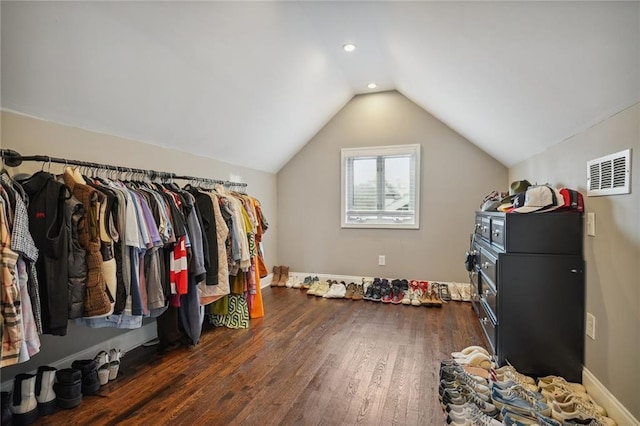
(266, 281)
(601, 394)
(126, 342)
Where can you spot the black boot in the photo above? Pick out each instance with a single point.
(68, 388)
(6, 411)
(89, 370)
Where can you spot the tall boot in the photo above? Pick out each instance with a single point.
(45, 395)
(68, 388)
(284, 276)
(6, 411)
(24, 405)
(275, 278)
(89, 370)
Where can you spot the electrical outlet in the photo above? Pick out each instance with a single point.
(382, 260)
(591, 326)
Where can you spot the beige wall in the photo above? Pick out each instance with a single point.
(455, 177)
(31, 136)
(612, 256)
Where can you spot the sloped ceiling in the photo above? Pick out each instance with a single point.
(250, 83)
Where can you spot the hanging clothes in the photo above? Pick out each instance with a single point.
(237, 316)
(12, 335)
(23, 244)
(96, 302)
(24, 273)
(31, 341)
(210, 293)
(49, 225)
(107, 253)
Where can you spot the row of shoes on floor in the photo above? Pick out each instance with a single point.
(413, 295)
(396, 291)
(473, 391)
(36, 395)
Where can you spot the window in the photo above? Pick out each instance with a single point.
(381, 187)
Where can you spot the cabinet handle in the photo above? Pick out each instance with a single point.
(486, 292)
(478, 226)
(574, 271)
(496, 232)
(486, 265)
(484, 228)
(484, 320)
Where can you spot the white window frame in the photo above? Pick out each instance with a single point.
(379, 219)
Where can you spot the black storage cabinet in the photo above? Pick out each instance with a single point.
(528, 290)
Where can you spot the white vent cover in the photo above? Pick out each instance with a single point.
(609, 175)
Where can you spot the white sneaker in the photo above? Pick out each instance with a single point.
(468, 351)
(417, 297)
(115, 355)
(547, 381)
(101, 358)
(103, 374)
(455, 293)
(578, 410)
(296, 282)
(465, 291)
(408, 296)
(114, 366)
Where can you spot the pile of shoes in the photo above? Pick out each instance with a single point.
(394, 291)
(408, 293)
(36, 395)
(472, 391)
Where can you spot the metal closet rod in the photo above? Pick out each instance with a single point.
(13, 159)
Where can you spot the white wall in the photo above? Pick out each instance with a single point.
(612, 256)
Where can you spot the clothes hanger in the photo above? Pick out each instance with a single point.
(11, 183)
(48, 164)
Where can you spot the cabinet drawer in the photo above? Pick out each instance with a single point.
(477, 229)
(497, 232)
(475, 282)
(483, 227)
(489, 297)
(488, 326)
(488, 265)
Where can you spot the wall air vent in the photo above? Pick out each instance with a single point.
(609, 175)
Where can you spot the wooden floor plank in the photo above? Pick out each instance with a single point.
(309, 361)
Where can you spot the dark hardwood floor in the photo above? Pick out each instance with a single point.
(309, 361)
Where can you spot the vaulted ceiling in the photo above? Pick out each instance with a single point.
(250, 83)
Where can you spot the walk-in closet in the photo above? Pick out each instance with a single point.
(319, 212)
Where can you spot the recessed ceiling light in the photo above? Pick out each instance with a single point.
(349, 47)
(372, 85)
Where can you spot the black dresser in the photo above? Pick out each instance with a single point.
(528, 290)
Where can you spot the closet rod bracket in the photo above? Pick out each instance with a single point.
(11, 158)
